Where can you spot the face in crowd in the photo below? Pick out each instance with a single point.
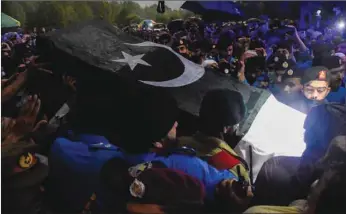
(292, 85)
(283, 51)
(182, 49)
(316, 90)
(316, 83)
(230, 50)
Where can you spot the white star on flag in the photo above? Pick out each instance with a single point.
(132, 61)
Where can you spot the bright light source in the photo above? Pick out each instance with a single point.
(341, 25)
(318, 12)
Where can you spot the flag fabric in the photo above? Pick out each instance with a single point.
(117, 62)
(108, 50)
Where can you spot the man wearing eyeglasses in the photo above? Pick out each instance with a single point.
(316, 83)
(315, 86)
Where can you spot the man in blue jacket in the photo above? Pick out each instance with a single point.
(155, 114)
(76, 159)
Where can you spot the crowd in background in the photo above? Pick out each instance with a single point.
(74, 162)
(269, 54)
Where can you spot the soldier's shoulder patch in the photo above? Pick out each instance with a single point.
(136, 170)
(27, 161)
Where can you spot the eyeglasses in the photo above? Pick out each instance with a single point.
(311, 90)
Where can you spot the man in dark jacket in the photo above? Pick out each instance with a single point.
(294, 175)
(326, 194)
(322, 124)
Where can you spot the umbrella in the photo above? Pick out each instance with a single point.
(214, 10)
(8, 21)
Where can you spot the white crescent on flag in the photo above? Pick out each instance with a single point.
(192, 71)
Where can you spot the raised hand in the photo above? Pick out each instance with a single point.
(11, 86)
(25, 123)
(70, 82)
(241, 72)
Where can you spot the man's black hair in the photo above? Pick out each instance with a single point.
(221, 108)
(285, 45)
(256, 44)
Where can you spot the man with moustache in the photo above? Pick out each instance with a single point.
(289, 91)
(314, 90)
(337, 71)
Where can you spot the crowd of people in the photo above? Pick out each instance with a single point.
(268, 54)
(77, 161)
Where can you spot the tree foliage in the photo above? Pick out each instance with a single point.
(15, 9)
(59, 14)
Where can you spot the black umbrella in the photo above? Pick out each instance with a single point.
(214, 10)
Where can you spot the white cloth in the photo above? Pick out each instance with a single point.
(341, 55)
(276, 131)
(208, 62)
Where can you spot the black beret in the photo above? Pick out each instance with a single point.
(21, 167)
(316, 73)
(294, 72)
(279, 62)
(180, 42)
(322, 49)
(333, 63)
